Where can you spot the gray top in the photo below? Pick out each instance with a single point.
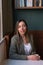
(17, 50)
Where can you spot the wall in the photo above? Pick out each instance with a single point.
(7, 16)
(34, 18)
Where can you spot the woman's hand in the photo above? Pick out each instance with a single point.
(33, 57)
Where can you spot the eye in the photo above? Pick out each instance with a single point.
(19, 26)
(23, 25)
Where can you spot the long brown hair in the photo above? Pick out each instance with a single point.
(16, 30)
(16, 27)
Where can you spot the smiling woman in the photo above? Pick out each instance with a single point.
(22, 47)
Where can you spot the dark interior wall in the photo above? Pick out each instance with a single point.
(34, 17)
(7, 16)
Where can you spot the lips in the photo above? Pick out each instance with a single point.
(22, 31)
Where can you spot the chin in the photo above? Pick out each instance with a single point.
(22, 34)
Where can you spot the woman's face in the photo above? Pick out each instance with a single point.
(21, 28)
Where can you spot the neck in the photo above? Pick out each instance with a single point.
(25, 38)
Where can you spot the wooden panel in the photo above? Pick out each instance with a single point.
(38, 41)
(2, 50)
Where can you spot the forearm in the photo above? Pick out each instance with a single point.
(18, 57)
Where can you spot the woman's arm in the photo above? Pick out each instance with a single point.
(13, 51)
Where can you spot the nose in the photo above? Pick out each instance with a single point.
(22, 27)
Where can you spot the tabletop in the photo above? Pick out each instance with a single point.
(21, 62)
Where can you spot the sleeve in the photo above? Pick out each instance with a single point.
(13, 51)
(32, 43)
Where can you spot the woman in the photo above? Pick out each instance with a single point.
(22, 44)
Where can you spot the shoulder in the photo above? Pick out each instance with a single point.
(14, 39)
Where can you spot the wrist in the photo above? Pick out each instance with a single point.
(27, 57)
